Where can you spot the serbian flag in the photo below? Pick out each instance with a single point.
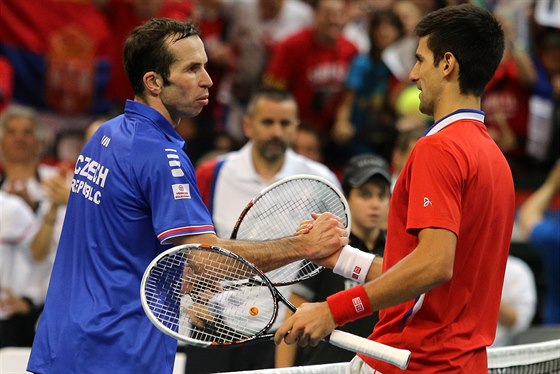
(59, 53)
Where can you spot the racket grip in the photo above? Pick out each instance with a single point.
(394, 356)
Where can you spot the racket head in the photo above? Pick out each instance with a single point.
(278, 211)
(207, 296)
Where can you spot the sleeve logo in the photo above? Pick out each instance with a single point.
(181, 191)
(427, 202)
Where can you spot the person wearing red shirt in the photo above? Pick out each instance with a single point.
(312, 65)
(439, 284)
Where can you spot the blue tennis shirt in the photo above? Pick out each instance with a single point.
(133, 189)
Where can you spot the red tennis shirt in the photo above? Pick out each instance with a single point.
(456, 179)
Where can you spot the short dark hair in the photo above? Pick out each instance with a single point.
(473, 35)
(270, 93)
(145, 49)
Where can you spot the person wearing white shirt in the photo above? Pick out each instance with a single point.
(519, 301)
(21, 290)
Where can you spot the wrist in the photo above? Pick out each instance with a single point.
(353, 263)
(349, 305)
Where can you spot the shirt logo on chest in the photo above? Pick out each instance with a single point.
(427, 202)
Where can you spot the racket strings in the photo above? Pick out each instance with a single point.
(279, 212)
(208, 296)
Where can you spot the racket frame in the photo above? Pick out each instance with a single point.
(275, 185)
(395, 356)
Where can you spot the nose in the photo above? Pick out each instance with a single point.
(413, 75)
(276, 129)
(206, 80)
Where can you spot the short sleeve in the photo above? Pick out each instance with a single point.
(172, 193)
(435, 187)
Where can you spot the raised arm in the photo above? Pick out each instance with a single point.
(532, 211)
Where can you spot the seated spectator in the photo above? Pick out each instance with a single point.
(540, 226)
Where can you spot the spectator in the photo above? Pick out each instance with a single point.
(543, 143)
(404, 145)
(255, 29)
(506, 100)
(308, 143)
(229, 183)
(519, 301)
(44, 188)
(365, 119)
(316, 76)
(541, 228)
(365, 183)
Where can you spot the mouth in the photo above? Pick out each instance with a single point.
(203, 99)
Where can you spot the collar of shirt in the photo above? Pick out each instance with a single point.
(154, 118)
(246, 162)
(461, 114)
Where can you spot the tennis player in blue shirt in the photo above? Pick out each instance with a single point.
(133, 195)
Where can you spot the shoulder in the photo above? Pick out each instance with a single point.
(302, 164)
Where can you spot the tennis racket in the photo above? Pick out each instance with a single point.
(207, 296)
(279, 209)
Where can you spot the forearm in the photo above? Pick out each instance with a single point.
(507, 316)
(266, 255)
(534, 208)
(403, 282)
(427, 266)
(41, 244)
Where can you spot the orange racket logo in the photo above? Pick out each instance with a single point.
(254, 311)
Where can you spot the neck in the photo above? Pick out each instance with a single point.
(21, 170)
(451, 103)
(156, 104)
(264, 168)
(368, 236)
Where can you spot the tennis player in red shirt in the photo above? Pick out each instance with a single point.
(450, 220)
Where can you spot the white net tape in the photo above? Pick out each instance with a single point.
(541, 357)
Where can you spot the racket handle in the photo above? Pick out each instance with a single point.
(394, 356)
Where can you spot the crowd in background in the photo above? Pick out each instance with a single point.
(345, 62)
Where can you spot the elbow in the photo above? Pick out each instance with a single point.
(440, 274)
(443, 275)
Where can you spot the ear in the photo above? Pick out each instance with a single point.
(153, 83)
(247, 127)
(448, 63)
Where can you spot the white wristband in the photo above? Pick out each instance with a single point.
(353, 263)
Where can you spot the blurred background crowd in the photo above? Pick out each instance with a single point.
(346, 62)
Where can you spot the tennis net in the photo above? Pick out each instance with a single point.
(534, 358)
